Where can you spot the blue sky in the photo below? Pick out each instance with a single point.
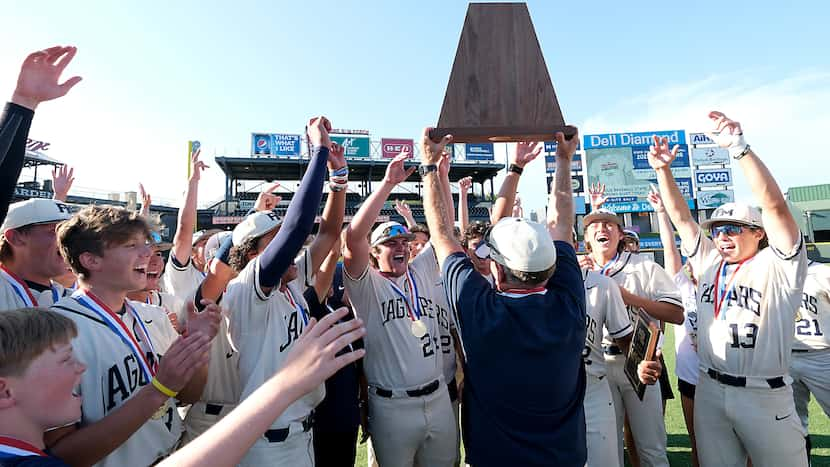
(159, 73)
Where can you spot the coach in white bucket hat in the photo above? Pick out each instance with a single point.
(519, 245)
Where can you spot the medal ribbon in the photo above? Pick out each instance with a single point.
(299, 308)
(55, 294)
(116, 325)
(606, 270)
(723, 288)
(414, 311)
(11, 447)
(19, 287)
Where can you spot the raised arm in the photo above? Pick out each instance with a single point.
(299, 219)
(405, 211)
(331, 222)
(660, 157)
(561, 203)
(671, 255)
(524, 153)
(62, 178)
(324, 275)
(183, 240)
(596, 192)
(464, 186)
(435, 202)
(782, 231)
(146, 201)
(356, 253)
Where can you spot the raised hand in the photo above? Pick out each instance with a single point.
(205, 322)
(525, 152)
(566, 148)
(403, 209)
(465, 184)
(318, 129)
(659, 154)
(337, 157)
(596, 192)
(197, 166)
(727, 133)
(39, 75)
(395, 171)
(62, 178)
(517, 207)
(431, 151)
(267, 200)
(186, 355)
(656, 201)
(146, 201)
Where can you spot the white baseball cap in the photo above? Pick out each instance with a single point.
(602, 215)
(212, 245)
(35, 211)
(255, 225)
(519, 244)
(203, 234)
(735, 213)
(388, 231)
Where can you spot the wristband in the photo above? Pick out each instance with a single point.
(162, 388)
(515, 169)
(341, 172)
(338, 186)
(737, 153)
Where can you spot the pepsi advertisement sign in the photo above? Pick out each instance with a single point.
(260, 144)
(275, 144)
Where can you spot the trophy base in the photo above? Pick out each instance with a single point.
(501, 134)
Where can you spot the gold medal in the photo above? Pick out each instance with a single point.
(418, 328)
(160, 412)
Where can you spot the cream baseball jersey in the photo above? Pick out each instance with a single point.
(16, 293)
(115, 373)
(181, 281)
(439, 307)
(264, 328)
(170, 303)
(812, 321)
(398, 357)
(746, 311)
(604, 309)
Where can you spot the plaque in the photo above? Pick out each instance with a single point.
(499, 89)
(643, 347)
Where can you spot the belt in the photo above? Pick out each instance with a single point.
(740, 381)
(452, 386)
(213, 409)
(612, 350)
(422, 391)
(279, 435)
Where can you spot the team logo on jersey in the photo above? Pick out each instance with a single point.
(740, 296)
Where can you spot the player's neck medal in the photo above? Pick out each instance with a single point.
(418, 328)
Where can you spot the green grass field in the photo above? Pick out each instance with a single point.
(678, 440)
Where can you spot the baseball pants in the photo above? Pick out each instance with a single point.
(811, 374)
(297, 451)
(645, 416)
(201, 417)
(734, 422)
(410, 430)
(600, 424)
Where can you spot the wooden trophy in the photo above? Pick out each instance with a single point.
(643, 347)
(499, 89)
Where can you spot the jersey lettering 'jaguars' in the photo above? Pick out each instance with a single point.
(740, 296)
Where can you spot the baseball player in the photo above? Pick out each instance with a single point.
(810, 365)
(129, 391)
(29, 254)
(747, 297)
(649, 292)
(174, 306)
(267, 309)
(405, 314)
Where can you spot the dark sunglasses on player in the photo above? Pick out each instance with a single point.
(394, 231)
(729, 229)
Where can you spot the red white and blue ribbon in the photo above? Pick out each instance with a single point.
(20, 287)
(413, 305)
(606, 270)
(296, 305)
(11, 447)
(116, 325)
(723, 287)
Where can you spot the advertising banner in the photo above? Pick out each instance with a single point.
(354, 145)
(577, 183)
(699, 138)
(261, 144)
(479, 152)
(710, 155)
(550, 146)
(713, 177)
(275, 144)
(550, 163)
(391, 147)
(713, 199)
(644, 138)
(620, 169)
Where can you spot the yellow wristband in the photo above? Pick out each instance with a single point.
(162, 388)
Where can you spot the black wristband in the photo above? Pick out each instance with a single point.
(515, 168)
(224, 252)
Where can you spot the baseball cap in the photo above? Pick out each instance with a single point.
(202, 234)
(519, 244)
(255, 225)
(213, 243)
(602, 215)
(35, 211)
(631, 234)
(735, 213)
(388, 231)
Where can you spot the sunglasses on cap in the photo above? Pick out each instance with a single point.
(394, 231)
(155, 238)
(729, 229)
(486, 247)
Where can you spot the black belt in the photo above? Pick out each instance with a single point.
(800, 350)
(452, 387)
(422, 391)
(612, 350)
(280, 434)
(213, 409)
(740, 381)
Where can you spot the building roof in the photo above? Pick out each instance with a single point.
(798, 194)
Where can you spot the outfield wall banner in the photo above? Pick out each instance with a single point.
(622, 171)
(550, 163)
(644, 138)
(275, 144)
(391, 147)
(354, 145)
(479, 151)
(713, 177)
(713, 199)
(710, 155)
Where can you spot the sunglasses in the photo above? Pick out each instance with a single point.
(395, 230)
(155, 238)
(485, 248)
(729, 229)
